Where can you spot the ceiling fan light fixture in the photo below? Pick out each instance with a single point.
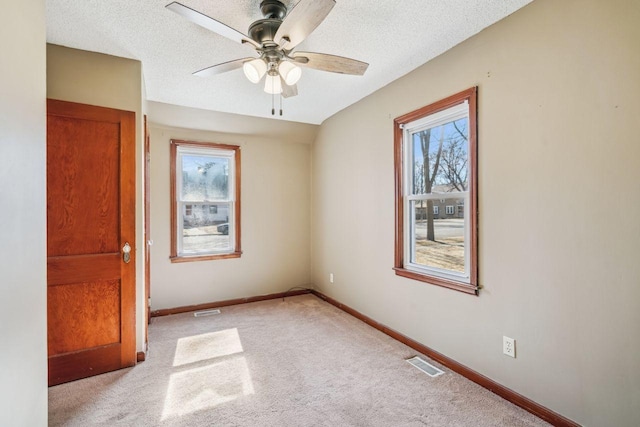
(290, 72)
(254, 70)
(272, 84)
(274, 38)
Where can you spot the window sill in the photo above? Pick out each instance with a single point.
(457, 286)
(210, 257)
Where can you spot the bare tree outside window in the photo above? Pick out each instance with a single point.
(440, 166)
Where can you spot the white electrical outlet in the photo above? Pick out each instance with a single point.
(331, 277)
(509, 346)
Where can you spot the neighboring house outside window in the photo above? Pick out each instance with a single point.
(436, 193)
(205, 201)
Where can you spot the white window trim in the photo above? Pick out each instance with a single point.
(455, 112)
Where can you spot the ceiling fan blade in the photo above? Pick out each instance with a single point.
(210, 23)
(331, 63)
(221, 68)
(288, 91)
(302, 20)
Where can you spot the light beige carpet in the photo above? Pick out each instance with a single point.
(297, 362)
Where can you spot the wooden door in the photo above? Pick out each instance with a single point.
(90, 218)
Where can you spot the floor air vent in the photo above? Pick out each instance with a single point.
(206, 313)
(425, 367)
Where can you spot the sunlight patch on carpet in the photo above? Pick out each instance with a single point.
(207, 346)
(206, 387)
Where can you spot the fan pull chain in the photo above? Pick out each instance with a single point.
(280, 104)
(273, 108)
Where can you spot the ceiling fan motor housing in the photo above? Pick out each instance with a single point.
(273, 9)
(264, 30)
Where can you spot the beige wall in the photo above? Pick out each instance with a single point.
(106, 81)
(23, 297)
(559, 154)
(275, 212)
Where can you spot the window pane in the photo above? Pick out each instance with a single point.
(206, 228)
(204, 178)
(440, 158)
(439, 236)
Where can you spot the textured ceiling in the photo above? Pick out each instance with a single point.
(393, 36)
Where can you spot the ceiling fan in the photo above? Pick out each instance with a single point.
(274, 38)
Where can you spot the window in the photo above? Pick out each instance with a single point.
(205, 201)
(436, 210)
(436, 162)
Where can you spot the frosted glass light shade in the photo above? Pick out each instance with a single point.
(272, 84)
(290, 72)
(254, 70)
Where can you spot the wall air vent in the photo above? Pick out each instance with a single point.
(206, 313)
(425, 367)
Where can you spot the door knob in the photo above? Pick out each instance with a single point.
(126, 253)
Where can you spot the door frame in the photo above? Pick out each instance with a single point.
(147, 235)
